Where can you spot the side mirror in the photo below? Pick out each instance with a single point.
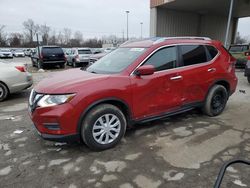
(145, 70)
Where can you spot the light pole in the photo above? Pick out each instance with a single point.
(141, 29)
(127, 12)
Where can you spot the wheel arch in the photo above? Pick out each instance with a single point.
(121, 104)
(222, 82)
(5, 86)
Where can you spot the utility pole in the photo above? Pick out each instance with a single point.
(141, 29)
(127, 24)
(38, 47)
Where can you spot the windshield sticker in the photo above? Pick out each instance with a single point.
(137, 49)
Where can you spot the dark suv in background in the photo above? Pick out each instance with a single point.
(238, 51)
(49, 55)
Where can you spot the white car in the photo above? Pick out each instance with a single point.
(19, 53)
(13, 78)
(5, 53)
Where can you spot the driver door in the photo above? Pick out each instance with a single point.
(160, 92)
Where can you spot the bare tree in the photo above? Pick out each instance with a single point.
(15, 39)
(44, 30)
(3, 38)
(60, 38)
(30, 29)
(239, 39)
(67, 35)
(52, 37)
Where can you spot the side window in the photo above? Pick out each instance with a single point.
(212, 52)
(193, 54)
(163, 59)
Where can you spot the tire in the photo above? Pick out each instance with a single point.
(40, 65)
(74, 64)
(62, 66)
(4, 92)
(216, 101)
(92, 124)
(248, 79)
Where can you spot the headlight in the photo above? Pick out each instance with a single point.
(53, 100)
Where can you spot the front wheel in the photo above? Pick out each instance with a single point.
(103, 127)
(3, 92)
(216, 100)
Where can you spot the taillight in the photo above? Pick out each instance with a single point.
(41, 56)
(77, 57)
(65, 58)
(21, 68)
(248, 55)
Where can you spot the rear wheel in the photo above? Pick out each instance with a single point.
(40, 65)
(4, 92)
(103, 127)
(216, 101)
(248, 79)
(74, 64)
(62, 66)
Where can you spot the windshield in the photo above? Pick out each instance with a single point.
(84, 52)
(238, 48)
(5, 50)
(116, 61)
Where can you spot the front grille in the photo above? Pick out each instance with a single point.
(34, 99)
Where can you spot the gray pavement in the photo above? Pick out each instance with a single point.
(186, 150)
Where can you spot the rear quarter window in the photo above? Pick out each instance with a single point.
(193, 54)
(212, 52)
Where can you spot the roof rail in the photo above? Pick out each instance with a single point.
(176, 38)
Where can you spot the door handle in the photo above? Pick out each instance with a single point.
(176, 78)
(211, 70)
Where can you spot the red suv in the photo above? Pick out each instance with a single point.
(139, 82)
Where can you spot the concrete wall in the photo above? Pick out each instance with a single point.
(166, 23)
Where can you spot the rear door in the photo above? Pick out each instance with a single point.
(197, 70)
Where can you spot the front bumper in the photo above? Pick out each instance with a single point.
(57, 123)
(59, 138)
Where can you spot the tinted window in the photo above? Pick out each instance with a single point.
(52, 51)
(163, 59)
(240, 48)
(84, 52)
(212, 52)
(193, 54)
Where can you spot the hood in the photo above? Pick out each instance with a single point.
(69, 81)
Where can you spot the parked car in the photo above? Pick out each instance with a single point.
(247, 68)
(95, 57)
(6, 53)
(49, 55)
(13, 78)
(18, 53)
(238, 51)
(110, 49)
(78, 57)
(139, 82)
(27, 52)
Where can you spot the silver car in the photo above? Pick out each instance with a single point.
(78, 56)
(13, 78)
(19, 53)
(5, 53)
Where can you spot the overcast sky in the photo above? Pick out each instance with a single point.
(91, 17)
